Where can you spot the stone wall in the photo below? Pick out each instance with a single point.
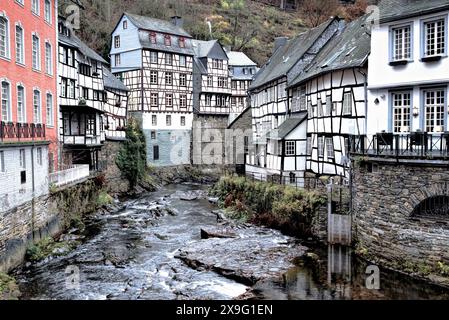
(115, 183)
(385, 195)
(41, 217)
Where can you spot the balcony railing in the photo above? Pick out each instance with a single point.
(14, 131)
(73, 174)
(415, 145)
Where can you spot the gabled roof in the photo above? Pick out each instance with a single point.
(111, 81)
(285, 57)
(154, 24)
(348, 49)
(288, 126)
(145, 42)
(239, 59)
(210, 49)
(392, 10)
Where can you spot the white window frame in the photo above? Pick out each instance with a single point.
(21, 111)
(117, 59)
(401, 43)
(182, 58)
(6, 103)
(437, 110)
(153, 77)
(154, 120)
(330, 148)
(35, 7)
(309, 146)
(425, 41)
(154, 56)
(48, 58)
(169, 78)
(168, 59)
(183, 101)
(168, 120)
(154, 99)
(401, 104)
(117, 41)
(20, 46)
(36, 54)
(47, 11)
(321, 145)
(348, 102)
(39, 156)
(37, 116)
(7, 53)
(290, 148)
(49, 107)
(210, 81)
(169, 98)
(183, 79)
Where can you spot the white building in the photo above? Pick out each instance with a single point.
(408, 76)
(154, 58)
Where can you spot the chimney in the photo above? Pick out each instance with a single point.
(177, 21)
(279, 42)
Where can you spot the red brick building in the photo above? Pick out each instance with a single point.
(28, 97)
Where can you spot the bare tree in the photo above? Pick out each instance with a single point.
(315, 12)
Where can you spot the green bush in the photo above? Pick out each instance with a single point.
(282, 207)
(8, 287)
(104, 199)
(46, 247)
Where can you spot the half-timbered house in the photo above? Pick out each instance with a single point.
(331, 91)
(115, 107)
(269, 102)
(242, 71)
(154, 59)
(81, 99)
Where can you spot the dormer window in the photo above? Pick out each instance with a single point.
(434, 39)
(182, 42)
(153, 37)
(245, 71)
(167, 40)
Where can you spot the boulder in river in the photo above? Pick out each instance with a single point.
(217, 233)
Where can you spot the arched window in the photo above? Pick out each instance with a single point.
(433, 207)
(4, 37)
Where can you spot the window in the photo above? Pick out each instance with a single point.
(321, 146)
(169, 59)
(85, 69)
(117, 42)
(329, 106)
(35, 6)
(168, 120)
(153, 37)
(85, 92)
(64, 82)
(153, 57)
(6, 102)
(90, 124)
(208, 100)
(19, 45)
(22, 159)
(233, 101)
(320, 108)
(210, 81)
(153, 135)
(37, 107)
(401, 111)
(47, 11)
(71, 89)
(290, 148)
(155, 152)
(234, 85)
(218, 101)
(222, 82)
(49, 110)
(309, 146)
(169, 100)
(168, 78)
(36, 53)
(154, 97)
(183, 121)
(402, 49)
(39, 156)
(2, 161)
(347, 104)
(330, 148)
(153, 77)
(183, 80)
(434, 38)
(302, 98)
(125, 25)
(434, 104)
(118, 59)
(4, 38)
(21, 104)
(183, 101)
(48, 59)
(182, 61)
(217, 64)
(182, 42)
(154, 120)
(167, 40)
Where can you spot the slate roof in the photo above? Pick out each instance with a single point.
(237, 58)
(111, 81)
(285, 57)
(160, 46)
(154, 24)
(348, 49)
(288, 126)
(202, 48)
(392, 10)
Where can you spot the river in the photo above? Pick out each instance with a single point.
(132, 253)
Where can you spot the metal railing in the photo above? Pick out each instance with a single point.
(21, 131)
(308, 183)
(73, 174)
(419, 145)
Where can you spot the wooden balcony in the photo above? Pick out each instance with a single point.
(21, 132)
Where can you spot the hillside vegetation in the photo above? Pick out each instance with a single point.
(243, 25)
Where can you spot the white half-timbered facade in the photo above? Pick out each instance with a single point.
(115, 107)
(81, 99)
(154, 59)
(242, 70)
(332, 92)
(270, 102)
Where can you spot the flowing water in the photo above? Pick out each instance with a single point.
(130, 254)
